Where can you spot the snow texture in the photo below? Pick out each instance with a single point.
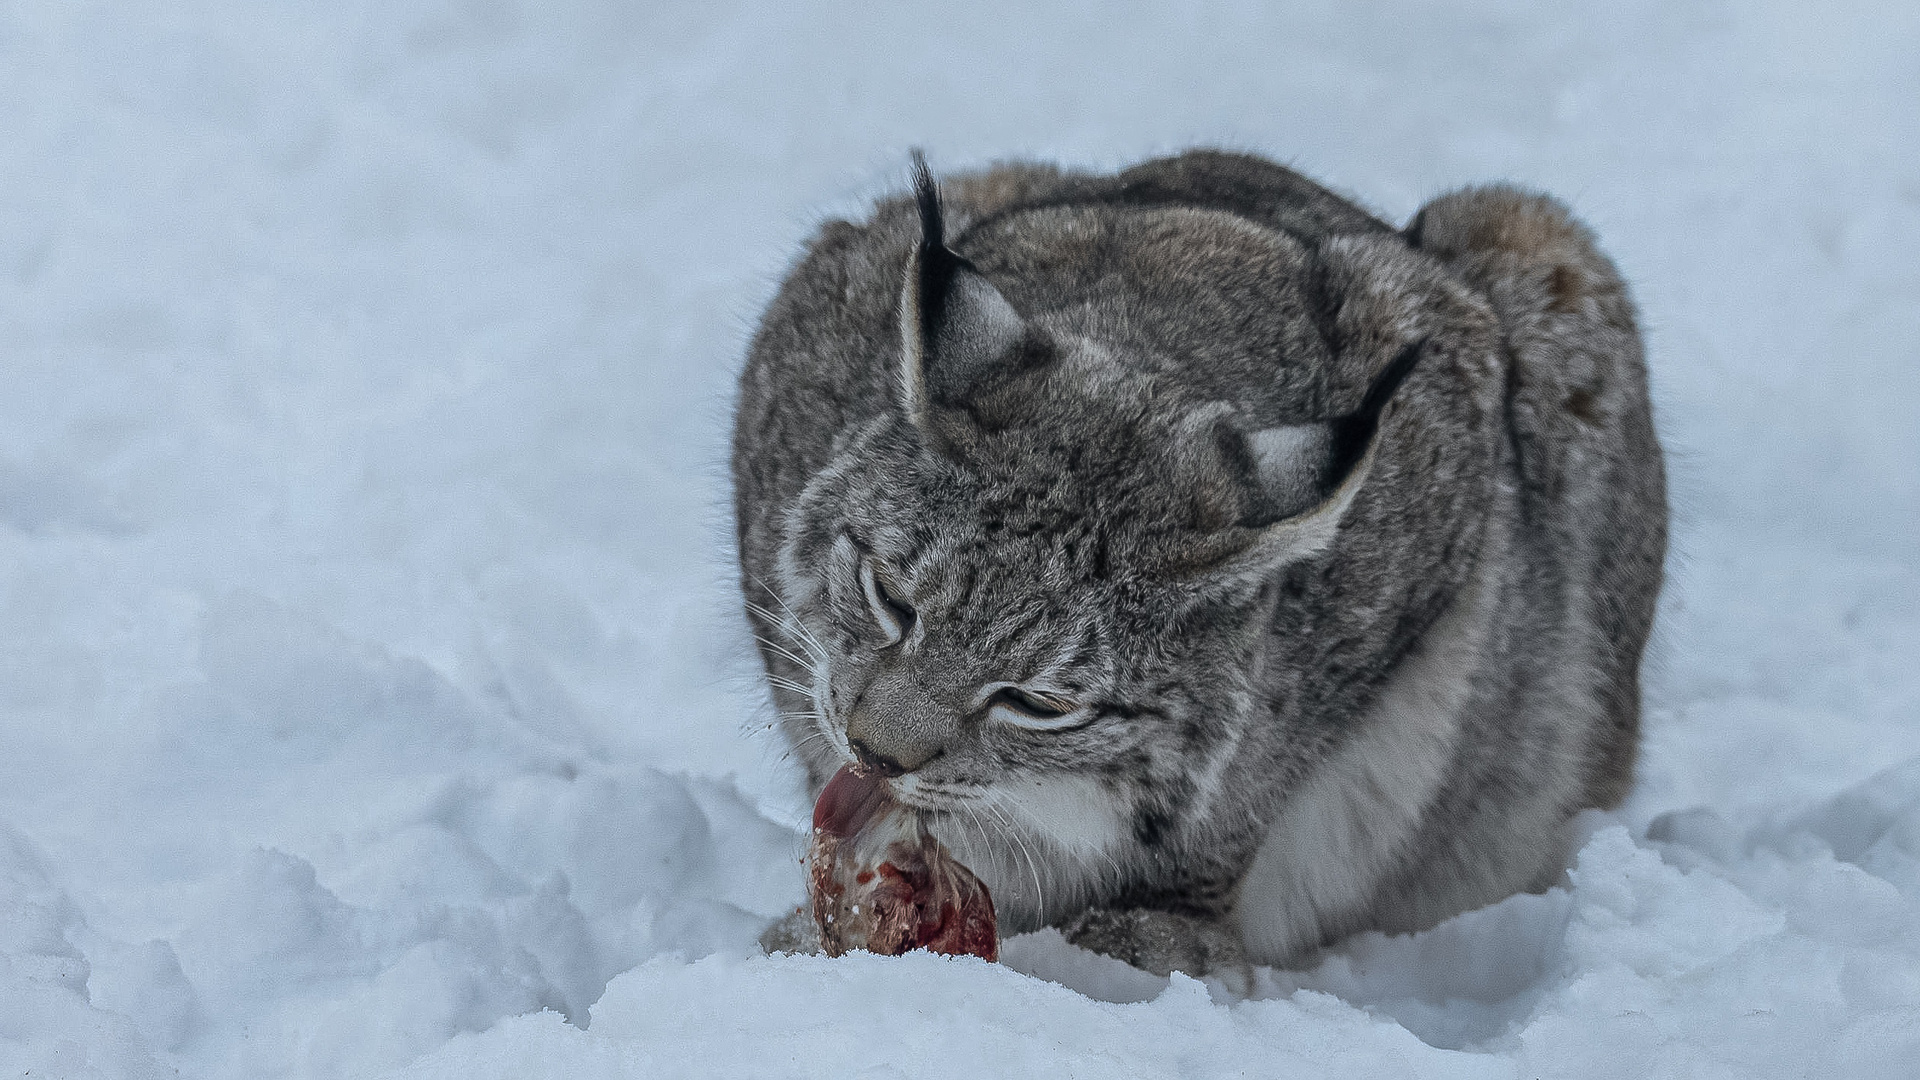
(372, 693)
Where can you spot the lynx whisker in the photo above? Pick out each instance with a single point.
(971, 817)
(808, 739)
(798, 628)
(788, 684)
(795, 633)
(1039, 892)
(784, 651)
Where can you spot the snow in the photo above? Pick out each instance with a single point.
(372, 691)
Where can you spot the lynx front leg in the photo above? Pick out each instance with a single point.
(1164, 942)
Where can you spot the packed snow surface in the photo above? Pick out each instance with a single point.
(372, 693)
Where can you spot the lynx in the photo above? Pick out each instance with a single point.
(1217, 569)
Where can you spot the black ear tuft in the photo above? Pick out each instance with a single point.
(958, 333)
(927, 193)
(1353, 433)
(936, 265)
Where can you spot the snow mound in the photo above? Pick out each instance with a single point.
(1704, 952)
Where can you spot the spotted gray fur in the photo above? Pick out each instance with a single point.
(1333, 661)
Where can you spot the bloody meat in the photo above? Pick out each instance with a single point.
(879, 880)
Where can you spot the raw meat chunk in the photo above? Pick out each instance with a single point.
(879, 880)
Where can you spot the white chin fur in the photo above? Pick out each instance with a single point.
(1049, 844)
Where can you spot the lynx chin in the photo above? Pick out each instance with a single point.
(1218, 569)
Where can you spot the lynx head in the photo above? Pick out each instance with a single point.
(1032, 592)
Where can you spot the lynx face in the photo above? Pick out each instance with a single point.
(1001, 674)
(1033, 599)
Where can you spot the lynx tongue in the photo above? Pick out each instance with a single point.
(848, 803)
(879, 881)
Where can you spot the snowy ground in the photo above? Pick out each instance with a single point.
(369, 674)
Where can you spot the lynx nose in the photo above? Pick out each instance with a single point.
(890, 749)
(896, 725)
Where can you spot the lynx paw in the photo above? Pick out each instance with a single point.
(1163, 942)
(794, 933)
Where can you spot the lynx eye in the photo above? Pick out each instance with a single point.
(894, 615)
(1034, 710)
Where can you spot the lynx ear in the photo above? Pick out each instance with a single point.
(1311, 473)
(956, 329)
